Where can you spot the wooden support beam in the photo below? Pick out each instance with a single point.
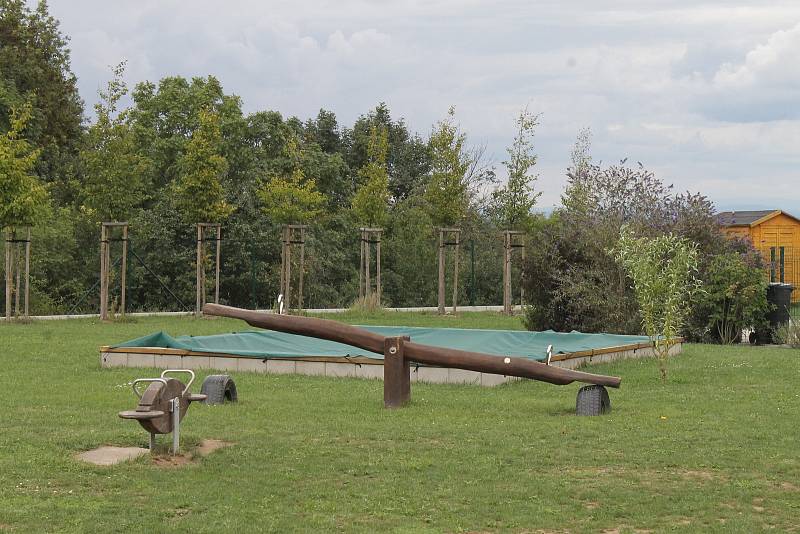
(396, 373)
(455, 270)
(103, 273)
(378, 267)
(302, 268)
(361, 267)
(287, 296)
(28, 273)
(17, 270)
(367, 261)
(198, 310)
(216, 277)
(8, 273)
(123, 277)
(441, 271)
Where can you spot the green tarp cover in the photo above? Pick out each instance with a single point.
(269, 344)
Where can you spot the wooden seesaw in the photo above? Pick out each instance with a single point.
(400, 352)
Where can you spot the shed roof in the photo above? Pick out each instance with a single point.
(749, 218)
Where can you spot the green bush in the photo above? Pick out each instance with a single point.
(734, 297)
(789, 334)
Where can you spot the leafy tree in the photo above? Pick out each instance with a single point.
(447, 192)
(575, 196)
(199, 195)
(512, 204)
(324, 130)
(291, 197)
(115, 170)
(664, 272)
(35, 68)
(22, 196)
(407, 158)
(165, 116)
(370, 201)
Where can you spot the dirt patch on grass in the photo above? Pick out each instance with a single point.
(6, 527)
(788, 486)
(206, 447)
(170, 461)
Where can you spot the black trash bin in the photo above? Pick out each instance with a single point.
(779, 297)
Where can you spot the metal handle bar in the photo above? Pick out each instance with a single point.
(138, 380)
(181, 371)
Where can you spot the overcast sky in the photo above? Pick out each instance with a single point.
(706, 94)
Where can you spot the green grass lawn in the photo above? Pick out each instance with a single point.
(716, 448)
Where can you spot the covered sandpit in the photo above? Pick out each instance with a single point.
(268, 351)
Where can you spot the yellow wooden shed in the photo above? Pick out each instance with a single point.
(776, 235)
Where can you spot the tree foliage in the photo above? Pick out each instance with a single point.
(291, 197)
(370, 202)
(664, 273)
(115, 171)
(199, 195)
(22, 196)
(446, 192)
(512, 204)
(35, 68)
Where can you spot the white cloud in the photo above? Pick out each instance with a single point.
(705, 92)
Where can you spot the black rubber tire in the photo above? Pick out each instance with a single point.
(220, 389)
(592, 400)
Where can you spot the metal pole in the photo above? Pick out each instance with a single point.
(176, 425)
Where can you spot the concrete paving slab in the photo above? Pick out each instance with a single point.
(109, 455)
